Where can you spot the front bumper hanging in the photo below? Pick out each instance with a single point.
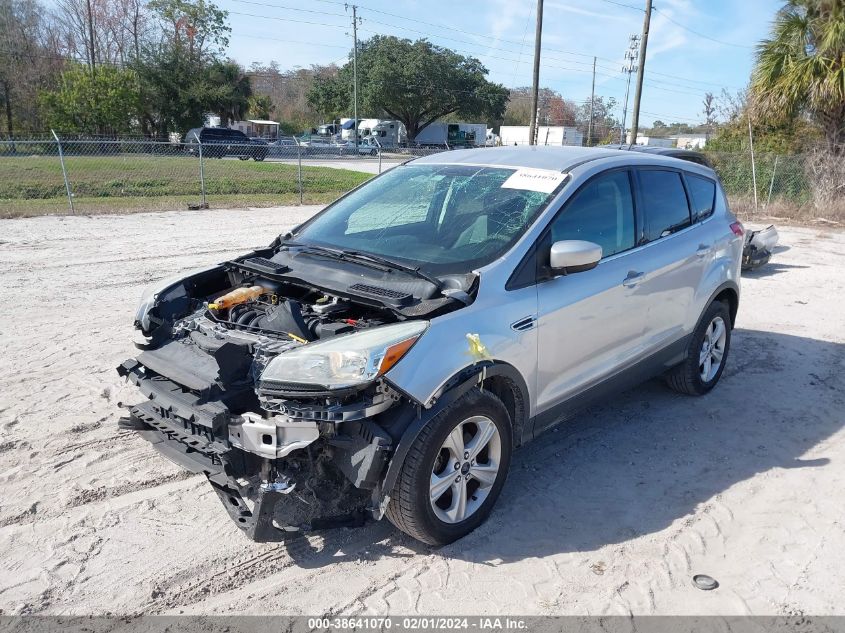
(189, 433)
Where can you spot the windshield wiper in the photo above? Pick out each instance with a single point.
(411, 270)
(383, 263)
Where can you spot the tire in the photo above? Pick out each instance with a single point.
(690, 377)
(410, 508)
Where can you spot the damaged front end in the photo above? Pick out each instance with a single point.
(274, 388)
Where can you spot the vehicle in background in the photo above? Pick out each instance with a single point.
(316, 146)
(675, 152)
(284, 146)
(387, 133)
(385, 357)
(328, 130)
(367, 147)
(546, 135)
(218, 142)
(453, 135)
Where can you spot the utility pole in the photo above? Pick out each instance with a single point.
(354, 71)
(91, 33)
(532, 130)
(635, 119)
(592, 100)
(628, 68)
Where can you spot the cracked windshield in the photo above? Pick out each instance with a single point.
(443, 218)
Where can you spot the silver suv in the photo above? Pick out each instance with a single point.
(387, 356)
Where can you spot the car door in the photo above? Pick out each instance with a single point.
(678, 253)
(591, 322)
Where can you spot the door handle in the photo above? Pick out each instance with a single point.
(633, 279)
(703, 250)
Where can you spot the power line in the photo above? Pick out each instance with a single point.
(702, 35)
(622, 4)
(288, 41)
(521, 46)
(270, 17)
(463, 41)
(287, 8)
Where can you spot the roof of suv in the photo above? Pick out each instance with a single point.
(560, 158)
(675, 152)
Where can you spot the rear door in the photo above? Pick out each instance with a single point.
(591, 322)
(677, 255)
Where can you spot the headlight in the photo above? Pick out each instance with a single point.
(346, 361)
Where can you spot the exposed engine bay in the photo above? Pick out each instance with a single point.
(284, 455)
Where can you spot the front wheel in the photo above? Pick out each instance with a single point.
(706, 355)
(455, 470)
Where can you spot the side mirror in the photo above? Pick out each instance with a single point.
(574, 256)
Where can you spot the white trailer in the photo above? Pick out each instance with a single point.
(441, 133)
(546, 135)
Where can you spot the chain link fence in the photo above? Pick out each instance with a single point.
(85, 175)
(769, 184)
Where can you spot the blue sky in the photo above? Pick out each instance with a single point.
(683, 61)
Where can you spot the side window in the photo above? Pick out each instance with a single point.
(664, 203)
(601, 212)
(703, 194)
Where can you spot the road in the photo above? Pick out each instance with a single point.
(611, 514)
(368, 165)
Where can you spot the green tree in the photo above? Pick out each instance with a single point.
(605, 125)
(199, 28)
(103, 100)
(181, 76)
(800, 69)
(27, 63)
(413, 82)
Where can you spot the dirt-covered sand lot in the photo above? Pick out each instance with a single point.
(611, 514)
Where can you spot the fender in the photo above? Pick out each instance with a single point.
(728, 285)
(453, 389)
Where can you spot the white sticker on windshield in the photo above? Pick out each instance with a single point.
(542, 180)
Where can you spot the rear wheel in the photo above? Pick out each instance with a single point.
(454, 472)
(706, 355)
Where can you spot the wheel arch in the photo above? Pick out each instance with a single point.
(728, 293)
(500, 378)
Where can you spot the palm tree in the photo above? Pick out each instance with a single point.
(800, 69)
(230, 91)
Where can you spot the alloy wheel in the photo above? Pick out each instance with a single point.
(712, 349)
(465, 469)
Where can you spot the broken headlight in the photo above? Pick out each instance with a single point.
(346, 361)
(151, 294)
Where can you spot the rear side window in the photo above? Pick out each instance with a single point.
(664, 203)
(602, 212)
(703, 195)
